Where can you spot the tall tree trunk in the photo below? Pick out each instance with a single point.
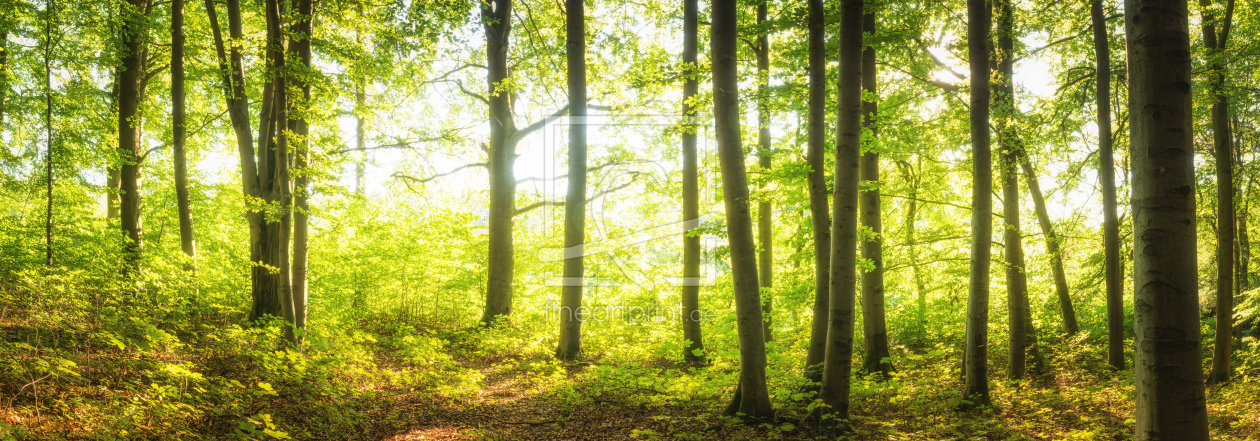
(1106, 174)
(111, 192)
(976, 347)
(1168, 361)
(360, 138)
(1244, 241)
(1243, 244)
(765, 217)
(179, 133)
(4, 71)
(820, 216)
(497, 20)
(752, 397)
(1052, 246)
(232, 73)
(912, 175)
(838, 364)
(575, 201)
(49, 10)
(1022, 335)
(1221, 138)
(111, 168)
(874, 329)
(300, 47)
(130, 95)
(275, 178)
(694, 349)
(261, 178)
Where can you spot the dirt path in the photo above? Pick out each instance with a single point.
(512, 405)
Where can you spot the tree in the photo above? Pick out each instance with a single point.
(4, 68)
(752, 398)
(360, 139)
(360, 123)
(874, 329)
(496, 18)
(911, 174)
(275, 166)
(1106, 174)
(765, 156)
(504, 136)
(838, 364)
(1053, 240)
(1168, 365)
(266, 178)
(693, 351)
(1221, 138)
(820, 217)
(300, 48)
(179, 135)
(575, 201)
(131, 88)
(50, 10)
(1023, 337)
(976, 347)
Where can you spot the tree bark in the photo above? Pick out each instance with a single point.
(1244, 241)
(111, 169)
(838, 364)
(693, 350)
(1022, 335)
(273, 142)
(49, 12)
(1221, 139)
(575, 200)
(765, 217)
(179, 134)
(820, 216)
(233, 77)
(874, 328)
(1167, 358)
(111, 192)
(266, 177)
(1053, 241)
(360, 139)
(752, 398)
(497, 22)
(1106, 174)
(976, 389)
(912, 176)
(4, 71)
(1242, 249)
(300, 47)
(130, 151)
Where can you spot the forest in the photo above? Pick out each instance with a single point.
(629, 219)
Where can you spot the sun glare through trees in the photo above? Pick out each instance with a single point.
(683, 219)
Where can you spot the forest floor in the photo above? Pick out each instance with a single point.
(517, 399)
(155, 375)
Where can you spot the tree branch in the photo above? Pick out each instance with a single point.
(588, 170)
(1229, 21)
(522, 133)
(449, 135)
(940, 63)
(1064, 39)
(189, 134)
(476, 95)
(536, 205)
(948, 87)
(412, 179)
